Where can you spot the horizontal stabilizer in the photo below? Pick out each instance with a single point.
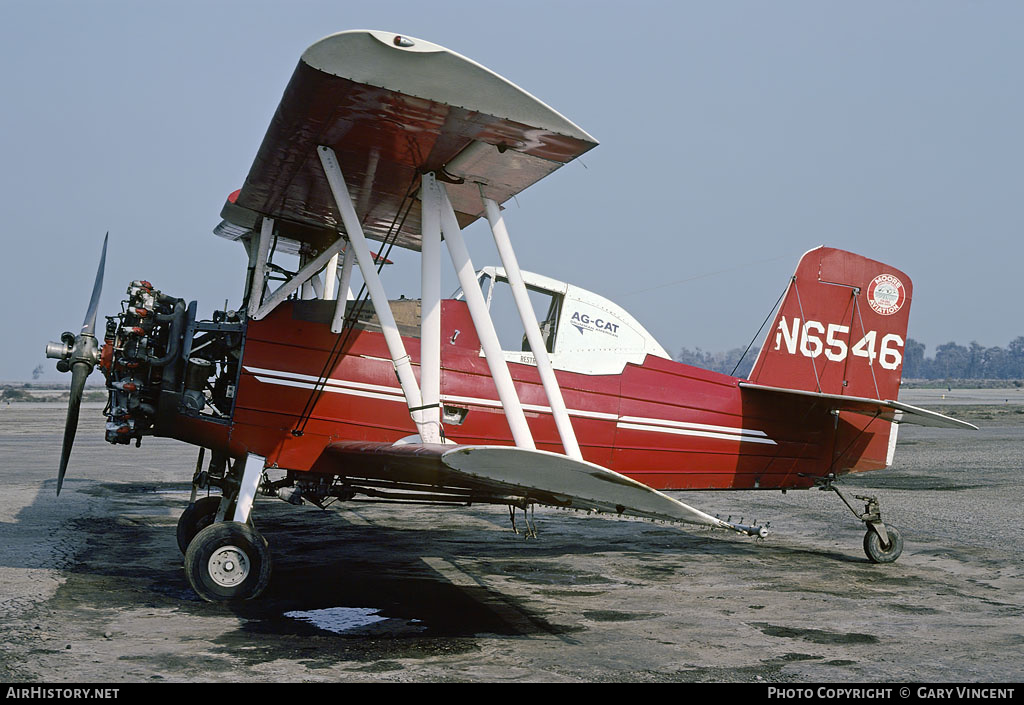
(540, 476)
(894, 411)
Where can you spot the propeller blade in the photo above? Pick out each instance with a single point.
(79, 372)
(89, 324)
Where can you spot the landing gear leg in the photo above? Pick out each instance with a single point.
(252, 473)
(882, 544)
(201, 512)
(226, 558)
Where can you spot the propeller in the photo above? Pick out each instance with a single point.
(78, 354)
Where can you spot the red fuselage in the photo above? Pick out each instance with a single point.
(666, 424)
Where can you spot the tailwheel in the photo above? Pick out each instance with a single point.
(882, 543)
(879, 552)
(228, 561)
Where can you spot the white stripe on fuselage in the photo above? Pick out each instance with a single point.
(635, 423)
(692, 432)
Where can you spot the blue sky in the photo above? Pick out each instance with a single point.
(734, 137)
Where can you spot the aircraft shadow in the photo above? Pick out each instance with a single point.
(431, 580)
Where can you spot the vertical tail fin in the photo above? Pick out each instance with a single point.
(841, 328)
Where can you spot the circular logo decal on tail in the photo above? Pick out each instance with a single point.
(886, 294)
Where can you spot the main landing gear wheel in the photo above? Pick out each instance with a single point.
(228, 561)
(878, 553)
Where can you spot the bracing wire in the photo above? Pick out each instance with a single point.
(341, 340)
(758, 333)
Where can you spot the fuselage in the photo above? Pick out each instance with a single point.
(666, 424)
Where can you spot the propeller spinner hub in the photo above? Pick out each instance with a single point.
(62, 350)
(71, 349)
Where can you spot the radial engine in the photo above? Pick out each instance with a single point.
(160, 361)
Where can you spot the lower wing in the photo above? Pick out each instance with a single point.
(512, 475)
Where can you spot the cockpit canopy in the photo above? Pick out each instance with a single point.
(583, 332)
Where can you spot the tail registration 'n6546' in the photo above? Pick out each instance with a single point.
(839, 306)
(814, 338)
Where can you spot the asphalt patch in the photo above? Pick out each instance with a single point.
(817, 636)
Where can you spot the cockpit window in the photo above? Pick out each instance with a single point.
(501, 304)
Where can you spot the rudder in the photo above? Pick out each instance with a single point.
(841, 328)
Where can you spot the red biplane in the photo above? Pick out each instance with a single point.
(307, 392)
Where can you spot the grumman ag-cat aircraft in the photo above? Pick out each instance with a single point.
(307, 393)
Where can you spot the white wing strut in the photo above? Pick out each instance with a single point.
(331, 279)
(262, 249)
(430, 306)
(354, 229)
(344, 290)
(300, 279)
(424, 398)
(532, 329)
(484, 325)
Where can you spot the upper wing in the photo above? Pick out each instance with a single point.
(894, 411)
(392, 107)
(494, 472)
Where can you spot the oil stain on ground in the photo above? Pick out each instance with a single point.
(817, 636)
(413, 612)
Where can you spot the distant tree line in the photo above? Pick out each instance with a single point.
(9, 393)
(974, 361)
(951, 361)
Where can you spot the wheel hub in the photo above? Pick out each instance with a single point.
(228, 566)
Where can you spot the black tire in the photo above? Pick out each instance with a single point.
(195, 518)
(877, 553)
(228, 561)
